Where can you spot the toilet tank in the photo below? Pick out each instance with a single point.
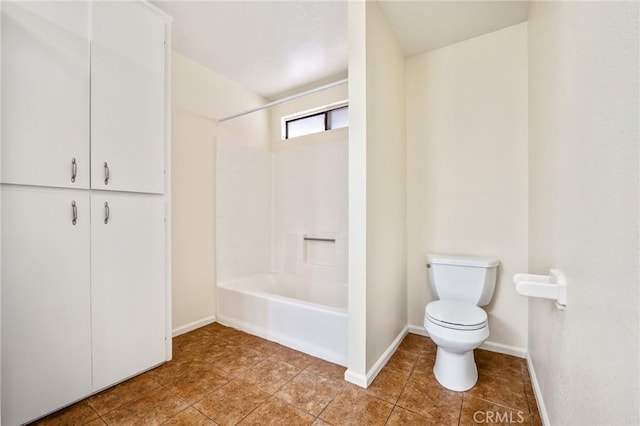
(463, 278)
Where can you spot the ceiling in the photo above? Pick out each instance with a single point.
(274, 48)
(270, 47)
(426, 25)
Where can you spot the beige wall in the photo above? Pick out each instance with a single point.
(583, 149)
(377, 202)
(467, 169)
(386, 187)
(357, 292)
(198, 97)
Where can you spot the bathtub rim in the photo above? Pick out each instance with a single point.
(229, 285)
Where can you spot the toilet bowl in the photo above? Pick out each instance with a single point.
(455, 321)
(457, 328)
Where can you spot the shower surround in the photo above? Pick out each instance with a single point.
(281, 243)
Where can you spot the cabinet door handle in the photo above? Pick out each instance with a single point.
(106, 213)
(74, 170)
(106, 173)
(74, 212)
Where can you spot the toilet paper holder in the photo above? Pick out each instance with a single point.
(552, 286)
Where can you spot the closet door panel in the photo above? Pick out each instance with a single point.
(45, 93)
(128, 301)
(127, 98)
(46, 332)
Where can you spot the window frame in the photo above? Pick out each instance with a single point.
(325, 110)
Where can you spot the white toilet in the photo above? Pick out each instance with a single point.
(455, 322)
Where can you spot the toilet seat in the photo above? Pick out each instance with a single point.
(456, 315)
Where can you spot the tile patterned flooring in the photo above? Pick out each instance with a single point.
(221, 376)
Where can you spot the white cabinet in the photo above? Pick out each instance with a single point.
(127, 98)
(83, 305)
(46, 318)
(45, 93)
(128, 285)
(80, 77)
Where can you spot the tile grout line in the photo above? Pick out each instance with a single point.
(249, 413)
(123, 404)
(179, 398)
(413, 368)
(97, 414)
(297, 408)
(344, 385)
(203, 413)
(500, 404)
(395, 404)
(176, 415)
(317, 417)
(192, 405)
(269, 356)
(464, 394)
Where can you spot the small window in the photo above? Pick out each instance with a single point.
(338, 118)
(317, 122)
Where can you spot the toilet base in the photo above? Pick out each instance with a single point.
(455, 371)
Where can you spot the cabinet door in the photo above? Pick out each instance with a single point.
(127, 98)
(46, 332)
(45, 93)
(128, 300)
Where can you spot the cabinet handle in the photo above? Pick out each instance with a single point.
(106, 213)
(74, 212)
(74, 170)
(106, 173)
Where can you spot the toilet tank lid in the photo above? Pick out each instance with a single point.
(481, 262)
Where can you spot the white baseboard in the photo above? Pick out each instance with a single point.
(355, 378)
(504, 349)
(193, 325)
(488, 345)
(386, 355)
(544, 416)
(364, 381)
(414, 329)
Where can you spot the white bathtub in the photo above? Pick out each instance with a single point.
(309, 316)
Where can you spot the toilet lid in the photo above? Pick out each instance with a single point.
(454, 314)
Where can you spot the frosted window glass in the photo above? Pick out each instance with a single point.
(305, 126)
(338, 118)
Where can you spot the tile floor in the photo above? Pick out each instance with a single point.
(221, 376)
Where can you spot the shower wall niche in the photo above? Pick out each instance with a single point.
(310, 209)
